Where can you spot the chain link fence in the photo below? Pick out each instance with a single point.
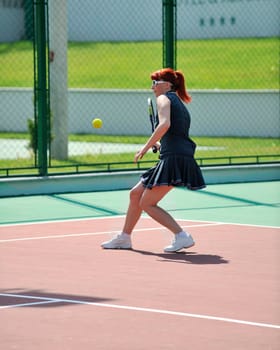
(99, 58)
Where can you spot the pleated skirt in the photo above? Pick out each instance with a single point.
(174, 170)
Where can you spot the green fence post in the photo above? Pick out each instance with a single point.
(41, 93)
(169, 31)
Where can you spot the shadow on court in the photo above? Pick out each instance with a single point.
(30, 297)
(79, 203)
(186, 257)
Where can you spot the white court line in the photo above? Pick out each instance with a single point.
(27, 304)
(69, 235)
(122, 216)
(53, 236)
(135, 308)
(61, 221)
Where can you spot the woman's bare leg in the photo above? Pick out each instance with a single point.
(145, 199)
(134, 210)
(148, 203)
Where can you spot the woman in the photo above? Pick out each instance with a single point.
(176, 167)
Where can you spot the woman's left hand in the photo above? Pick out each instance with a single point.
(139, 155)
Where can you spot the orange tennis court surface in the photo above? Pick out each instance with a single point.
(59, 289)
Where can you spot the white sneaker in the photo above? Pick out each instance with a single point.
(120, 241)
(181, 240)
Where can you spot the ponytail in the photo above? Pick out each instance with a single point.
(177, 79)
(180, 87)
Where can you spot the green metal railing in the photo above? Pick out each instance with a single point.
(71, 169)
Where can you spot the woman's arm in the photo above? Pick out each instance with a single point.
(163, 108)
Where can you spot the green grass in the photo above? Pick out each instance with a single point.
(228, 147)
(231, 63)
(208, 64)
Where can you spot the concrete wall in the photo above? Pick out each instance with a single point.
(125, 180)
(214, 113)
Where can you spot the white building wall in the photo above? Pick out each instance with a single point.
(228, 18)
(134, 20)
(11, 23)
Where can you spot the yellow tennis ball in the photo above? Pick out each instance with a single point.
(97, 123)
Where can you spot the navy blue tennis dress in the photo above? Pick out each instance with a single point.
(176, 166)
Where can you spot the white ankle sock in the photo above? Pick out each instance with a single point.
(182, 234)
(126, 235)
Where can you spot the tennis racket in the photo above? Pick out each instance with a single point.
(152, 119)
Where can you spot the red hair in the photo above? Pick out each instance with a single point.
(176, 78)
